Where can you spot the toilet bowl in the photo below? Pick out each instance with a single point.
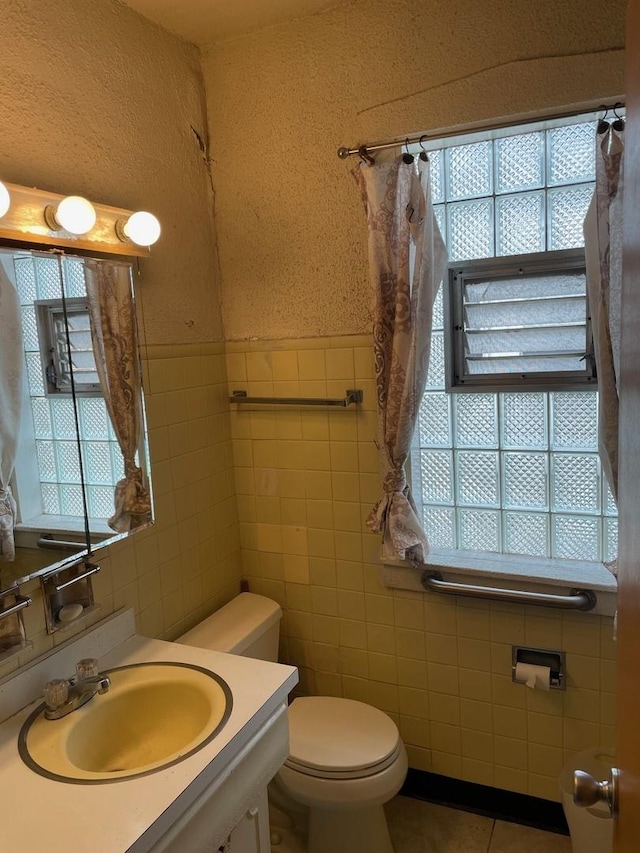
(346, 758)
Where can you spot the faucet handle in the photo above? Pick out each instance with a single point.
(87, 668)
(56, 693)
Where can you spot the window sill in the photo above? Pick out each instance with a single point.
(533, 574)
(64, 525)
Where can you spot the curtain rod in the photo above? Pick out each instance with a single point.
(344, 153)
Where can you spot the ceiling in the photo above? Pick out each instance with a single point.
(207, 21)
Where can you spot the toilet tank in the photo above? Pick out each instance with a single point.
(249, 625)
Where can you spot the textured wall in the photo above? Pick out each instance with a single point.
(282, 100)
(96, 100)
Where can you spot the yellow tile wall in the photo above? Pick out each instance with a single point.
(188, 563)
(305, 481)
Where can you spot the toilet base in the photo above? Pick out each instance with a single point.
(319, 830)
(345, 815)
(347, 831)
(288, 835)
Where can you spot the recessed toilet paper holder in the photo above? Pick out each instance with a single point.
(555, 660)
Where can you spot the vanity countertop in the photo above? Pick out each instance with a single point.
(45, 816)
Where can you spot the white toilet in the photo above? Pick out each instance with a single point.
(346, 758)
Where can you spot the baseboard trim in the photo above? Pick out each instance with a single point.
(485, 800)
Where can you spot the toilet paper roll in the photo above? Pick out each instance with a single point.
(535, 677)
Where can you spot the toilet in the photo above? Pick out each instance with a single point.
(346, 758)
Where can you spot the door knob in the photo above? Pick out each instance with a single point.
(587, 791)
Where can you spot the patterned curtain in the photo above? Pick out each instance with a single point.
(603, 249)
(11, 359)
(114, 339)
(403, 233)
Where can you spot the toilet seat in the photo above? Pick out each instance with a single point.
(333, 738)
(344, 774)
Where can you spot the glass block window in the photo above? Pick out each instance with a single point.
(513, 471)
(40, 281)
(522, 192)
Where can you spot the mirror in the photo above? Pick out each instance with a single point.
(73, 449)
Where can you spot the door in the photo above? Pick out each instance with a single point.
(627, 831)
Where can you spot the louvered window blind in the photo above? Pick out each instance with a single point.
(519, 321)
(62, 358)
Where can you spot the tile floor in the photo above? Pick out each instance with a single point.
(419, 827)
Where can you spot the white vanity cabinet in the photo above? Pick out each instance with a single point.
(252, 834)
(214, 798)
(232, 814)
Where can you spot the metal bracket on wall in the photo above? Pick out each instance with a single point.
(553, 658)
(12, 633)
(68, 594)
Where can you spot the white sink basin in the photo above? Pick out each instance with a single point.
(154, 715)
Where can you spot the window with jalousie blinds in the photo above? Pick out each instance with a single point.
(519, 321)
(39, 280)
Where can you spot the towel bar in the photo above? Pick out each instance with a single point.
(21, 601)
(353, 395)
(91, 569)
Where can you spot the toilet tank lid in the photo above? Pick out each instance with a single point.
(234, 627)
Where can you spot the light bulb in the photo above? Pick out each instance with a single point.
(142, 228)
(75, 214)
(5, 199)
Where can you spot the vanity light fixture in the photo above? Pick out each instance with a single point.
(5, 199)
(142, 228)
(73, 214)
(30, 215)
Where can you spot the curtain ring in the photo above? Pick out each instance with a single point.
(365, 157)
(618, 124)
(603, 124)
(406, 157)
(423, 154)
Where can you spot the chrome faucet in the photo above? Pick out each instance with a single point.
(64, 695)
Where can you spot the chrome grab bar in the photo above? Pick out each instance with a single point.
(91, 570)
(579, 599)
(21, 602)
(47, 542)
(353, 395)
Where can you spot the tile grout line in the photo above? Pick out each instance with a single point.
(493, 826)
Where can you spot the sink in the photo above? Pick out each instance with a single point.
(154, 715)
